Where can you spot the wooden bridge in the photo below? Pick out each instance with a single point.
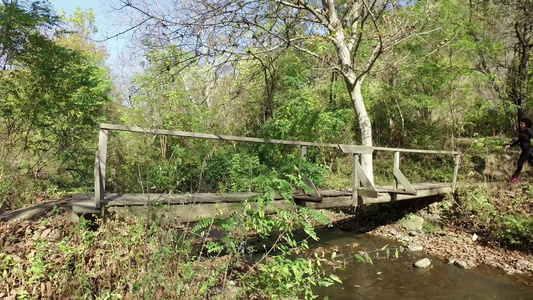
(193, 207)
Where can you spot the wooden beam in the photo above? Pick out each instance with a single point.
(386, 197)
(211, 136)
(456, 171)
(314, 191)
(303, 151)
(356, 149)
(84, 204)
(416, 150)
(396, 165)
(367, 184)
(100, 169)
(205, 203)
(398, 176)
(355, 195)
(197, 212)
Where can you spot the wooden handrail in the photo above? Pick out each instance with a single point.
(360, 149)
(100, 160)
(416, 150)
(213, 136)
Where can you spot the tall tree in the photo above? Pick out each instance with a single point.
(509, 25)
(519, 72)
(18, 22)
(51, 100)
(227, 30)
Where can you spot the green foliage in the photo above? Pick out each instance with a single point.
(429, 227)
(514, 229)
(19, 22)
(52, 100)
(232, 170)
(491, 213)
(284, 277)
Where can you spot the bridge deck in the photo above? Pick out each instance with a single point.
(191, 207)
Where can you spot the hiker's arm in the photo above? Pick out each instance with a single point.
(513, 144)
(529, 132)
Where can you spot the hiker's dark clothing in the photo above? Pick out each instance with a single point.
(524, 156)
(524, 140)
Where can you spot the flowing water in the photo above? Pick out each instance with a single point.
(396, 278)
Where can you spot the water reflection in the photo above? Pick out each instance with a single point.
(395, 278)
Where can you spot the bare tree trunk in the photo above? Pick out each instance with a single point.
(365, 127)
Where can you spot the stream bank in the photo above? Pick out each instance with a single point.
(455, 230)
(395, 277)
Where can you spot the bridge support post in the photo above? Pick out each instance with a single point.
(303, 151)
(396, 165)
(355, 196)
(455, 172)
(100, 169)
(305, 179)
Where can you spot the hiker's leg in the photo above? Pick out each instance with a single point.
(530, 156)
(521, 160)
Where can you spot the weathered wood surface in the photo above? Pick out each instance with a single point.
(192, 207)
(186, 199)
(364, 149)
(416, 150)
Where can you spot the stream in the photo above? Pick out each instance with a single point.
(396, 278)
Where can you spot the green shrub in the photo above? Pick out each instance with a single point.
(514, 229)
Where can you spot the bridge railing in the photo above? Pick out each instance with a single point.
(358, 174)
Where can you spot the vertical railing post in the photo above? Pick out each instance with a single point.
(396, 166)
(303, 151)
(355, 196)
(456, 171)
(394, 196)
(100, 169)
(313, 190)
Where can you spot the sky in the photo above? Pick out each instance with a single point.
(107, 21)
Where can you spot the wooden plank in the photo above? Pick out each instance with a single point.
(396, 165)
(393, 192)
(367, 193)
(303, 151)
(258, 140)
(326, 203)
(416, 150)
(307, 198)
(430, 185)
(211, 136)
(194, 213)
(314, 191)
(355, 195)
(386, 197)
(97, 180)
(335, 193)
(100, 168)
(173, 199)
(456, 171)
(356, 149)
(398, 175)
(84, 204)
(367, 183)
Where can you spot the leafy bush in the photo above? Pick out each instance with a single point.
(514, 229)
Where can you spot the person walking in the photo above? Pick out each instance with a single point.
(524, 140)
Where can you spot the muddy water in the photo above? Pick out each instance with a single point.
(395, 278)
